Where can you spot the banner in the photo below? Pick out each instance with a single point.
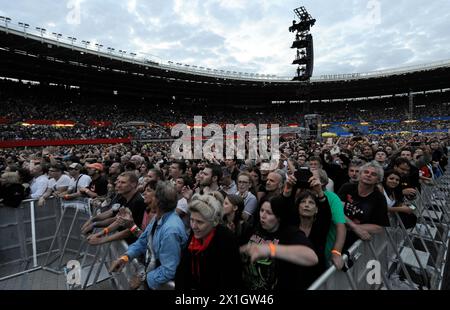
(49, 122)
(37, 143)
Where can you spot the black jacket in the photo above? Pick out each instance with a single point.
(220, 265)
(12, 194)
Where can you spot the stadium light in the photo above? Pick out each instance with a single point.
(86, 43)
(42, 31)
(6, 20)
(122, 52)
(306, 21)
(57, 35)
(133, 55)
(304, 44)
(110, 50)
(99, 46)
(25, 27)
(72, 39)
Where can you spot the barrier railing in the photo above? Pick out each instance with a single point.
(404, 258)
(24, 235)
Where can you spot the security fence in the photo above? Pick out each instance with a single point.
(46, 238)
(400, 257)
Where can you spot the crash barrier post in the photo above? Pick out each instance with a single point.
(67, 235)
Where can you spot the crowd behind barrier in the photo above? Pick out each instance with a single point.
(121, 189)
(365, 251)
(356, 277)
(404, 264)
(109, 118)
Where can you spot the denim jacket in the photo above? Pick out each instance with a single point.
(164, 247)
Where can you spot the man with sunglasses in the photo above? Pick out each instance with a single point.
(79, 182)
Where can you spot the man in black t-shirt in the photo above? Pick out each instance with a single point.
(99, 184)
(365, 207)
(128, 197)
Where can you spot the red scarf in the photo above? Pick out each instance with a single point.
(196, 247)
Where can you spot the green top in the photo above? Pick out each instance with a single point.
(337, 217)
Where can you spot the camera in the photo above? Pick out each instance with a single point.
(303, 174)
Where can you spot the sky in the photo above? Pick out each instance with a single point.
(350, 36)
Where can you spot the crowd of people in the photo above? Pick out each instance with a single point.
(222, 224)
(149, 121)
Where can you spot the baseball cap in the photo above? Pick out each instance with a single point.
(183, 205)
(96, 166)
(75, 166)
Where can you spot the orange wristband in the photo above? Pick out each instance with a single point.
(273, 249)
(105, 231)
(336, 252)
(125, 258)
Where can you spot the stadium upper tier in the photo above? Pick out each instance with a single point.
(32, 57)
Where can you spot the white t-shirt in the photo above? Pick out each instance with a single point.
(39, 186)
(83, 181)
(390, 202)
(64, 181)
(330, 185)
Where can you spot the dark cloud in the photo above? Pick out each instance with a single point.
(252, 35)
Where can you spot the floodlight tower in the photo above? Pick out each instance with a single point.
(303, 43)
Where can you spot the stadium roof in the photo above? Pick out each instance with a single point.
(30, 57)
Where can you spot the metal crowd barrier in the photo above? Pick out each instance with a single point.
(25, 233)
(34, 238)
(45, 238)
(67, 236)
(407, 258)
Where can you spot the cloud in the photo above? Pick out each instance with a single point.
(349, 36)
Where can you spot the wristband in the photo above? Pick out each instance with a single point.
(105, 231)
(125, 258)
(273, 249)
(336, 252)
(133, 229)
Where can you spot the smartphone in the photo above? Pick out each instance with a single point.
(303, 174)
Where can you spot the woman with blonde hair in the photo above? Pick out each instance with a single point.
(211, 261)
